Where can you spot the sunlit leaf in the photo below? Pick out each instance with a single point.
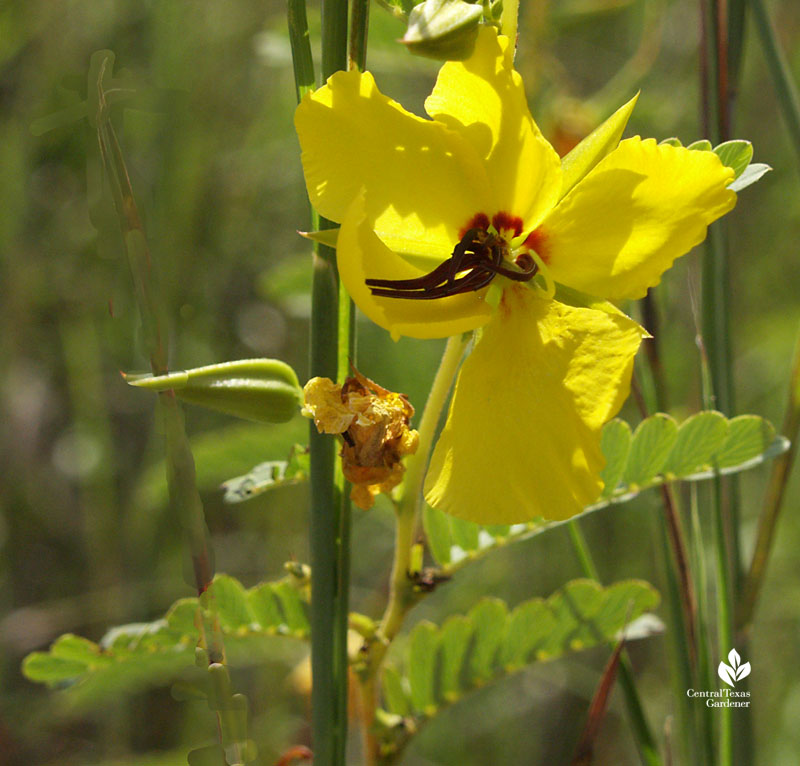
(595, 146)
(751, 174)
(748, 437)
(699, 438)
(652, 442)
(704, 444)
(269, 475)
(468, 651)
(703, 145)
(735, 155)
(133, 656)
(616, 446)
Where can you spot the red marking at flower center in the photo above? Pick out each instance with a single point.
(503, 221)
(478, 221)
(537, 240)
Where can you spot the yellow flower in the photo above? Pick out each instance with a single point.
(469, 220)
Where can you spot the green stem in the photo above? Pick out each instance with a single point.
(773, 500)
(332, 346)
(402, 594)
(645, 741)
(724, 618)
(582, 551)
(334, 36)
(400, 588)
(785, 89)
(717, 338)
(184, 496)
(302, 61)
(683, 679)
(680, 588)
(706, 723)
(359, 24)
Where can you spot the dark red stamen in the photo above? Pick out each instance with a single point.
(506, 222)
(478, 258)
(478, 221)
(537, 240)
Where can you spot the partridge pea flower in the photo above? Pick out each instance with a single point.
(470, 220)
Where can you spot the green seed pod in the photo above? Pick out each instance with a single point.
(443, 29)
(264, 390)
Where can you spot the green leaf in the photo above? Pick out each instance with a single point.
(49, 669)
(615, 443)
(438, 533)
(664, 453)
(751, 174)
(422, 667)
(671, 142)
(264, 606)
(748, 437)
(594, 147)
(133, 656)
(699, 438)
(327, 237)
(465, 533)
(489, 618)
(295, 608)
(530, 625)
(269, 475)
(443, 663)
(453, 642)
(703, 145)
(77, 649)
(220, 454)
(395, 695)
(263, 390)
(652, 442)
(231, 603)
(735, 155)
(445, 30)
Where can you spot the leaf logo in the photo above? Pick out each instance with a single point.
(736, 671)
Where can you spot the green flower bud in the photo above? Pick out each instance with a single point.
(443, 29)
(264, 390)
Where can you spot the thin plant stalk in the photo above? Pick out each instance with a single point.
(679, 585)
(332, 350)
(716, 313)
(703, 643)
(648, 751)
(785, 88)
(402, 593)
(724, 618)
(773, 501)
(181, 476)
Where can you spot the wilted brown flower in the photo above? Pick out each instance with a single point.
(373, 423)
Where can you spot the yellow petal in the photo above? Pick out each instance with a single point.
(361, 255)
(484, 99)
(522, 438)
(423, 181)
(639, 209)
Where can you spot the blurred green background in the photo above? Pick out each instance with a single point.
(87, 540)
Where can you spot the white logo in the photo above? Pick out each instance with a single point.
(734, 672)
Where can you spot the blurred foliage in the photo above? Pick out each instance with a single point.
(87, 541)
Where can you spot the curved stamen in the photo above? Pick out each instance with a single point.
(478, 257)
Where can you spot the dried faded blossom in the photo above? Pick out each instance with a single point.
(373, 423)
